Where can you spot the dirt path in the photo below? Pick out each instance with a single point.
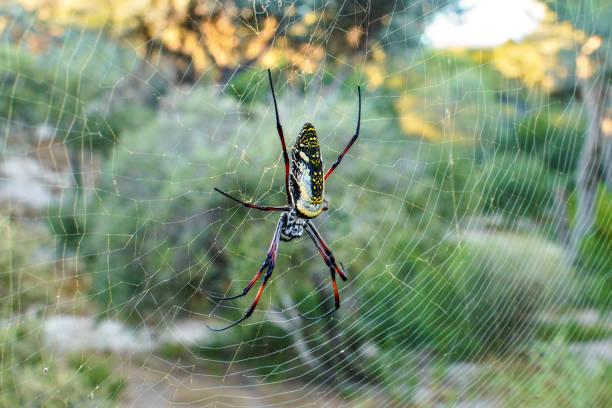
(156, 382)
(161, 384)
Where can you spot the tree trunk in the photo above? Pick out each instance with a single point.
(560, 216)
(594, 95)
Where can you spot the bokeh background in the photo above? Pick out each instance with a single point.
(473, 214)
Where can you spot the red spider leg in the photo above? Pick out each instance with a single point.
(279, 128)
(332, 271)
(248, 287)
(271, 251)
(270, 262)
(327, 251)
(350, 143)
(257, 207)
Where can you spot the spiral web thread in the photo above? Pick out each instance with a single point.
(399, 204)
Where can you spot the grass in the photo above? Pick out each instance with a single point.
(33, 375)
(550, 376)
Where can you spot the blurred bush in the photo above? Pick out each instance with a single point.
(595, 249)
(151, 234)
(553, 135)
(27, 277)
(517, 185)
(449, 183)
(475, 298)
(33, 375)
(67, 94)
(551, 375)
(448, 96)
(33, 282)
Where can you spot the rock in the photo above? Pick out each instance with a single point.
(593, 353)
(66, 333)
(76, 333)
(25, 185)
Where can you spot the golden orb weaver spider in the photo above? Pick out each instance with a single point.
(304, 184)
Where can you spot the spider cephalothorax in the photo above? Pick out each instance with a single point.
(294, 226)
(304, 185)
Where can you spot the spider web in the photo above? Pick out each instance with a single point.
(453, 215)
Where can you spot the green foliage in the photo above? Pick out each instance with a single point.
(67, 220)
(29, 91)
(553, 135)
(517, 184)
(97, 372)
(130, 117)
(32, 375)
(596, 271)
(573, 331)
(151, 233)
(47, 89)
(383, 367)
(552, 375)
(448, 185)
(25, 279)
(474, 299)
(250, 84)
(603, 211)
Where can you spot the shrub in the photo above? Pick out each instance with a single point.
(46, 89)
(34, 376)
(470, 300)
(517, 184)
(450, 180)
(595, 261)
(26, 271)
(553, 135)
(551, 375)
(153, 232)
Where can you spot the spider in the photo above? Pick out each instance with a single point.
(304, 185)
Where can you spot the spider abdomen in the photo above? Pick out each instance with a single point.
(306, 175)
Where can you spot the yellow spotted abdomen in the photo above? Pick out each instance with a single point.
(306, 183)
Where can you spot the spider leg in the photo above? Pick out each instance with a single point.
(333, 267)
(246, 289)
(249, 205)
(271, 251)
(336, 307)
(279, 128)
(318, 240)
(253, 305)
(270, 262)
(350, 143)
